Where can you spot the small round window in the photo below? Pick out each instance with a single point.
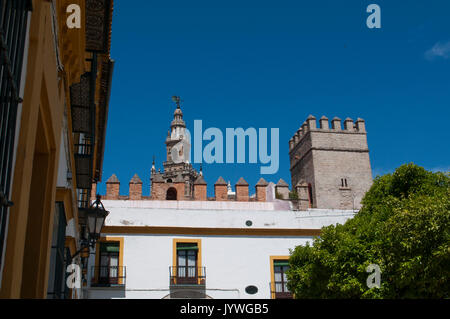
(251, 290)
(248, 223)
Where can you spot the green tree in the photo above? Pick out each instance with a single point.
(403, 226)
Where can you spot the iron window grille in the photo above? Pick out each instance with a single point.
(13, 30)
(58, 262)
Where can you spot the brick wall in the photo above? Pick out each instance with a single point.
(221, 192)
(242, 193)
(200, 192)
(261, 193)
(159, 190)
(94, 191)
(135, 191)
(112, 190)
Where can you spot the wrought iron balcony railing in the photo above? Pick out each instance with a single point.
(84, 196)
(83, 164)
(108, 276)
(279, 290)
(187, 275)
(82, 107)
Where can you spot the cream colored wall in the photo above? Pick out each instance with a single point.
(26, 259)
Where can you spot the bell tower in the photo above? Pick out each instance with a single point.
(177, 180)
(175, 137)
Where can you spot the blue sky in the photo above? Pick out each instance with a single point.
(271, 64)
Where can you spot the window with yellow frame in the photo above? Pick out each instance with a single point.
(278, 284)
(187, 262)
(109, 269)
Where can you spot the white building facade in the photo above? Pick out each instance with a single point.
(179, 243)
(201, 249)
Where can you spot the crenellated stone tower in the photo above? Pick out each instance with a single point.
(330, 166)
(177, 180)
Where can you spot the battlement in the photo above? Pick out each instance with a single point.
(330, 160)
(163, 190)
(325, 126)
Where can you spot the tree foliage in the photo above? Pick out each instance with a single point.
(403, 226)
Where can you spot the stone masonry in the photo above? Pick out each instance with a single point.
(332, 161)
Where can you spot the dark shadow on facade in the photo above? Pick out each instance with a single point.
(171, 194)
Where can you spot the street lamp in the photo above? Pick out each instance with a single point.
(96, 215)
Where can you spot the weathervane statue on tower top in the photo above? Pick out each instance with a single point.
(177, 100)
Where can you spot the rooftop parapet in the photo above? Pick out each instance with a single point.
(199, 190)
(336, 123)
(311, 122)
(241, 188)
(135, 188)
(360, 125)
(324, 125)
(348, 124)
(112, 187)
(292, 143)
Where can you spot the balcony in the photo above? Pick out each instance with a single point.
(108, 276)
(187, 282)
(82, 110)
(187, 275)
(83, 163)
(279, 290)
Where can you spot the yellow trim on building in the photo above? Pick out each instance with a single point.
(175, 241)
(109, 239)
(51, 68)
(71, 243)
(65, 195)
(199, 231)
(272, 273)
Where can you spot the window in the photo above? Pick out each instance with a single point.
(344, 183)
(280, 265)
(59, 257)
(14, 21)
(280, 268)
(109, 269)
(108, 272)
(187, 263)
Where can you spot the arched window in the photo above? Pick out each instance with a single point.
(171, 194)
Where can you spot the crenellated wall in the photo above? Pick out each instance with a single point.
(160, 189)
(332, 159)
(329, 164)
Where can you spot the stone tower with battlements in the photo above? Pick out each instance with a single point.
(330, 165)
